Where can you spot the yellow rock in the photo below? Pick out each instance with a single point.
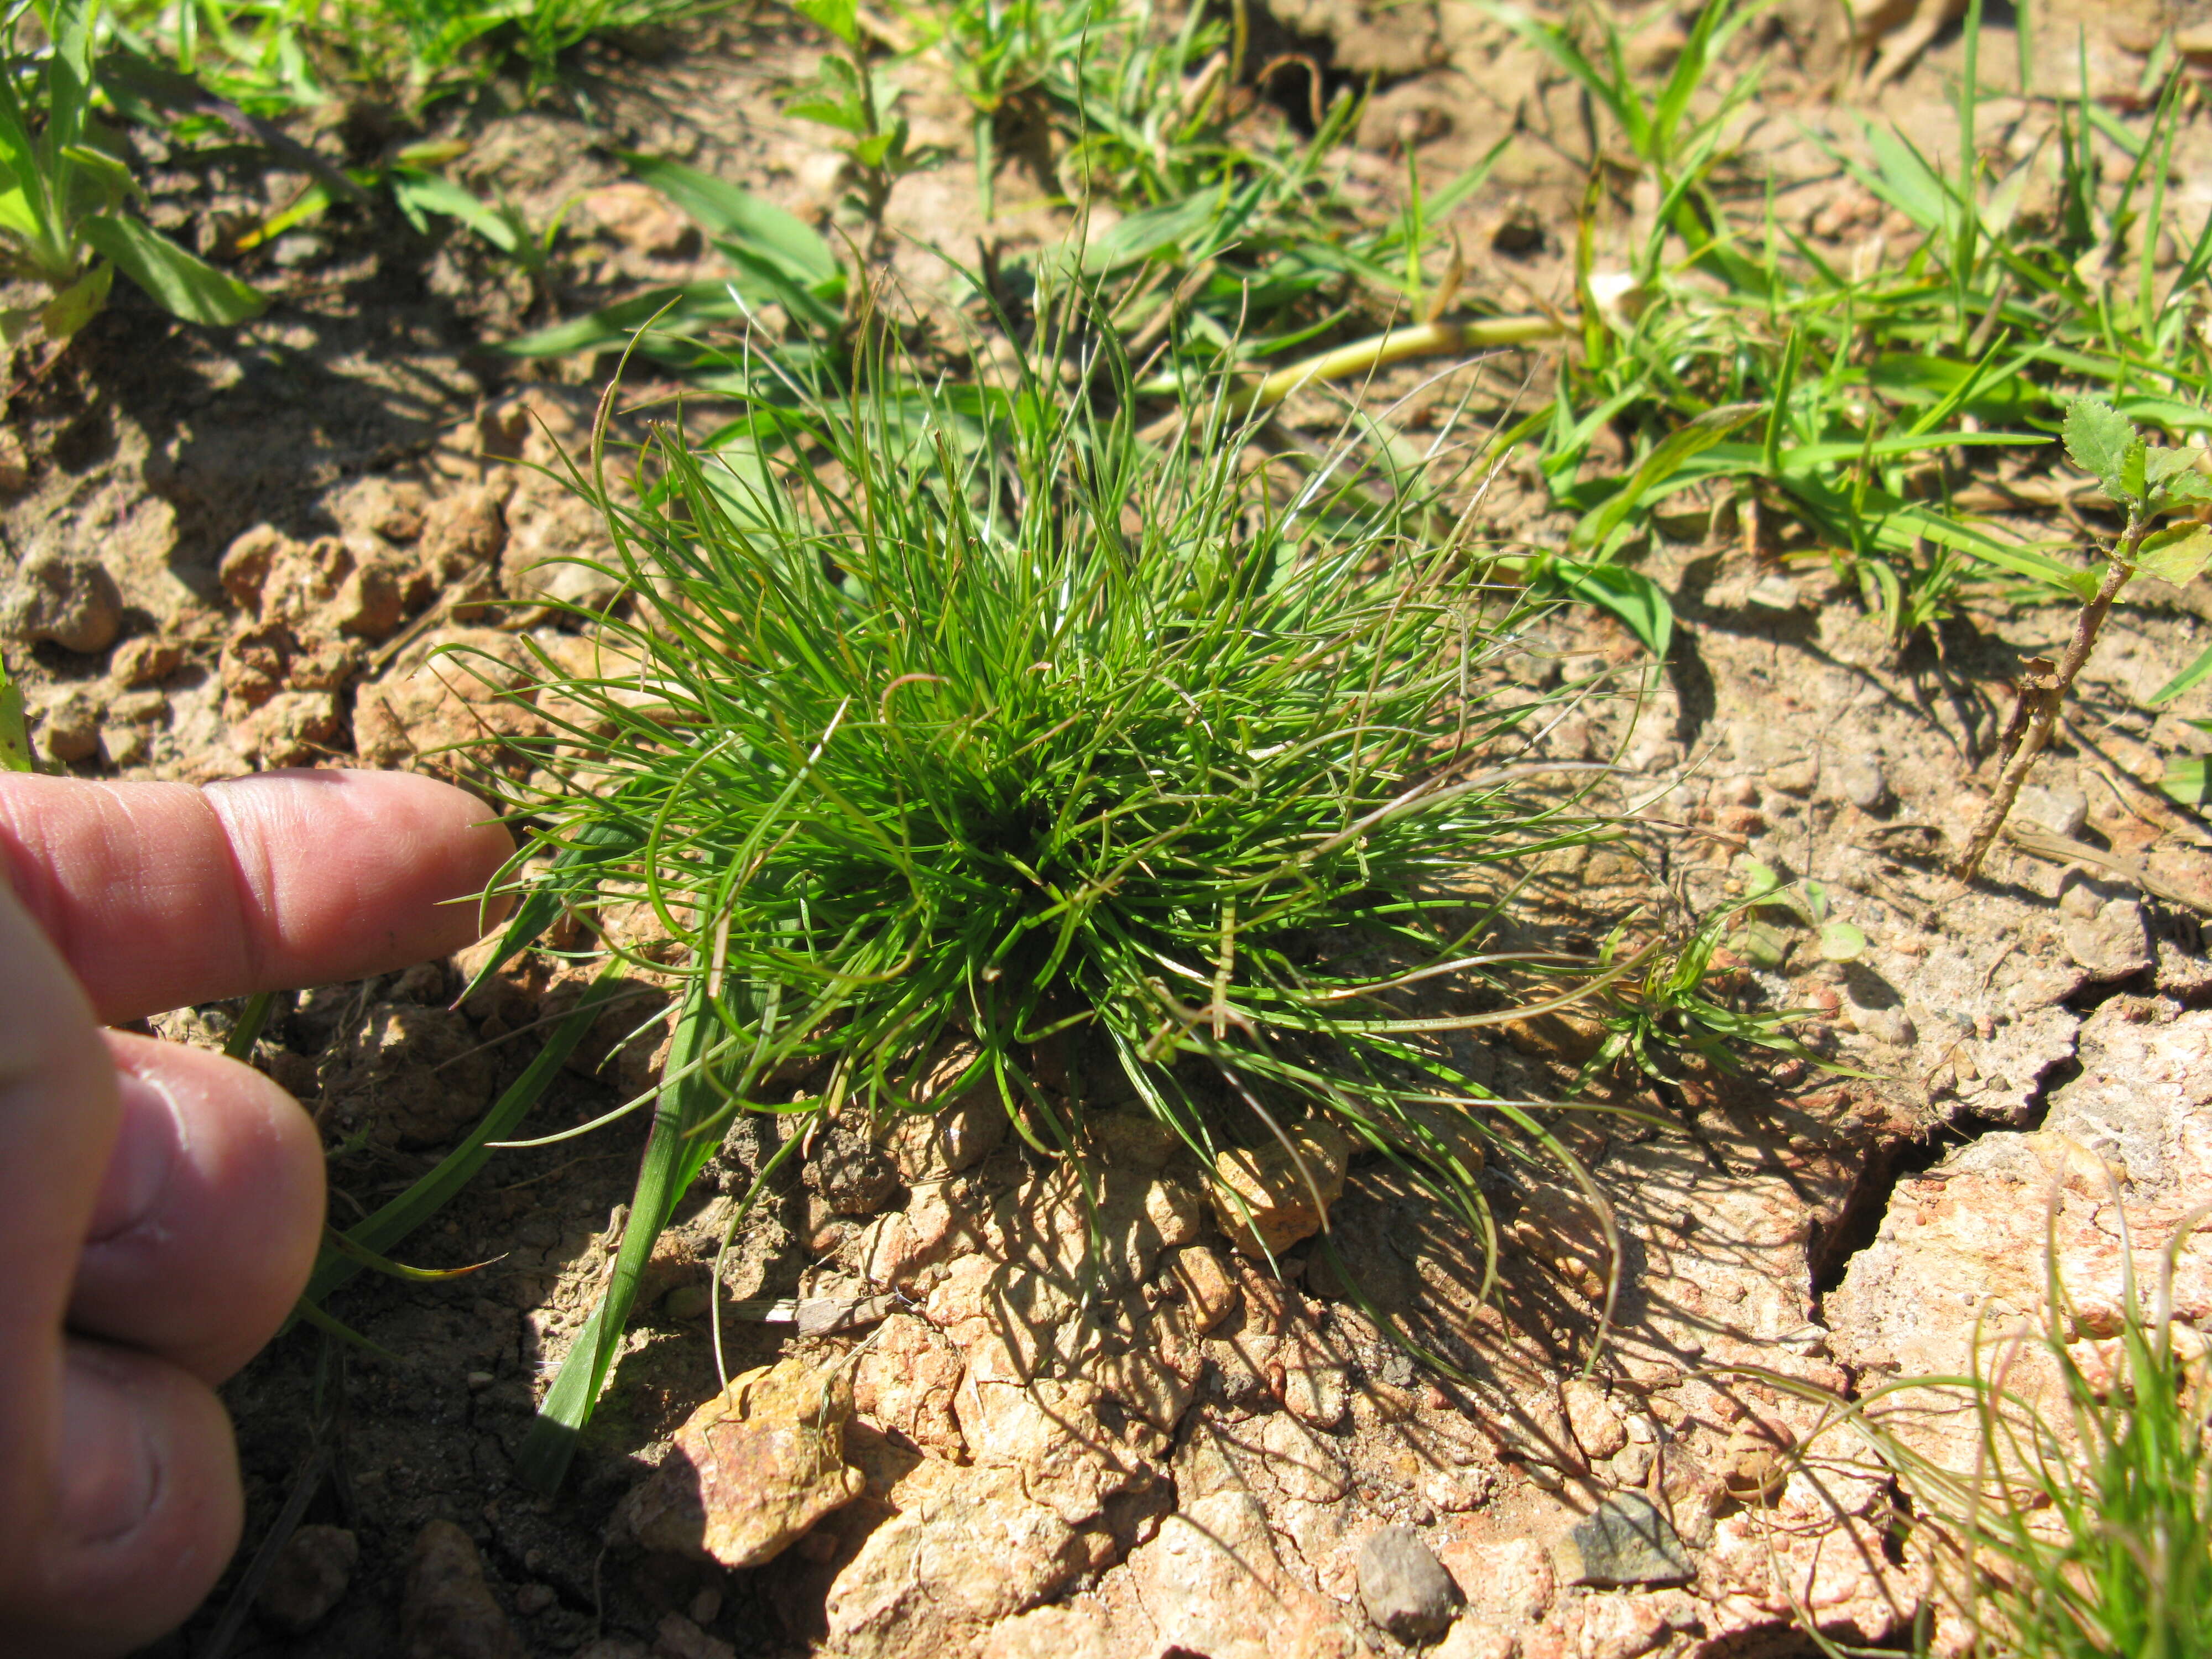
(1266, 1200)
(753, 1468)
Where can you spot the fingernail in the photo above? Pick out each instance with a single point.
(108, 1473)
(139, 1167)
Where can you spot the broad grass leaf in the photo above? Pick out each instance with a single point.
(185, 285)
(727, 213)
(1629, 595)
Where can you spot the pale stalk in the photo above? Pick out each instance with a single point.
(2118, 566)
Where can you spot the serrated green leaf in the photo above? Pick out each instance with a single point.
(2097, 439)
(2162, 462)
(2188, 486)
(2134, 462)
(1841, 942)
(185, 285)
(2176, 557)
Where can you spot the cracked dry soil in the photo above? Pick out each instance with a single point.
(1205, 1460)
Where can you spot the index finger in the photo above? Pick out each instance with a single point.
(158, 895)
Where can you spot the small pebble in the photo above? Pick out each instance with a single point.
(1858, 779)
(309, 1578)
(1405, 1589)
(689, 1301)
(1891, 1026)
(1794, 777)
(147, 660)
(2078, 898)
(2062, 811)
(534, 1599)
(71, 730)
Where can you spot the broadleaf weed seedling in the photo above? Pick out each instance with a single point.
(959, 721)
(62, 195)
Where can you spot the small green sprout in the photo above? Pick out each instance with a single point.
(846, 95)
(1683, 1002)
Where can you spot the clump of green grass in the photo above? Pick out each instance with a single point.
(2081, 1527)
(944, 715)
(280, 57)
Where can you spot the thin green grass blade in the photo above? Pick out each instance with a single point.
(362, 1256)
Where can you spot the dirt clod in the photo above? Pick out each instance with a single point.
(66, 599)
(312, 1573)
(449, 1611)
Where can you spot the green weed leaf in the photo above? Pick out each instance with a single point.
(1841, 942)
(2134, 467)
(2097, 439)
(727, 213)
(2176, 555)
(1634, 598)
(2189, 779)
(838, 17)
(14, 739)
(185, 285)
(78, 304)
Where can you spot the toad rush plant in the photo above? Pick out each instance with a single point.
(965, 721)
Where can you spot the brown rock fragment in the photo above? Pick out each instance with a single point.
(146, 661)
(1596, 1426)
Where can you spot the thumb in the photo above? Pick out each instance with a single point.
(118, 1482)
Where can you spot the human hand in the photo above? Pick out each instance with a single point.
(160, 1206)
